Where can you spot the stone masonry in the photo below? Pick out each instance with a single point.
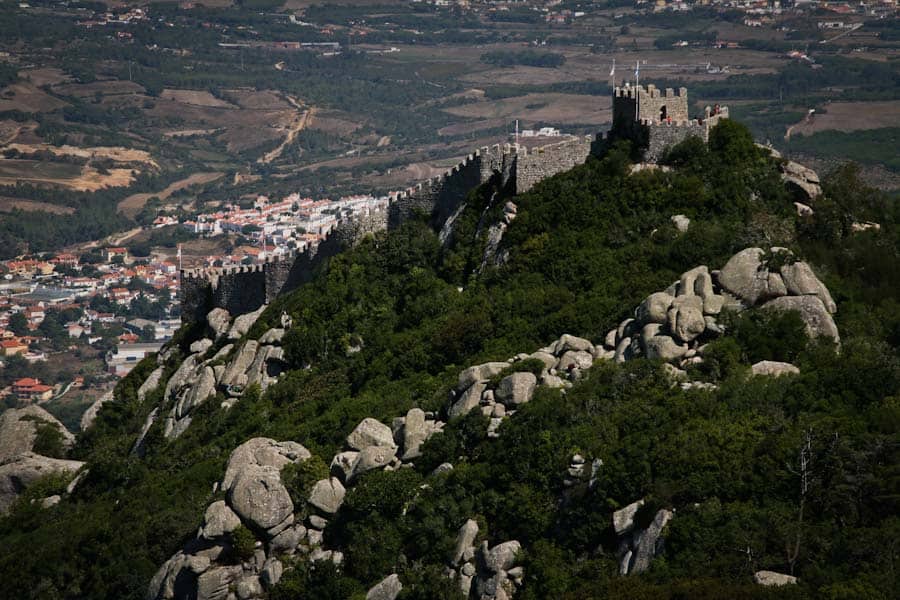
(652, 118)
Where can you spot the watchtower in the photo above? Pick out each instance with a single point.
(655, 119)
(636, 104)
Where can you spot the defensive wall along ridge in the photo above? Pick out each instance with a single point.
(241, 289)
(652, 118)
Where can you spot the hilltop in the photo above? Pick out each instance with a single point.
(458, 405)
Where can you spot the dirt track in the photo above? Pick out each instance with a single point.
(133, 204)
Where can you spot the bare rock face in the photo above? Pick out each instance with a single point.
(774, 368)
(216, 583)
(18, 430)
(20, 472)
(327, 495)
(664, 347)
(501, 557)
(745, 276)
(414, 433)
(150, 384)
(243, 323)
(387, 589)
(813, 312)
(654, 309)
(373, 457)
(575, 359)
(644, 544)
(517, 388)
(370, 432)
(465, 541)
(770, 578)
(218, 320)
(264, 452)
(801, 281)
(468, 400)
(201, 346)
(479, 373)
(258, 496)
(219, 520)
(623, 519)
(570, 342)
(342, 464)
(801, 178)
(685, 317)
(241, 363)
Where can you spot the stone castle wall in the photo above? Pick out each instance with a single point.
(540, 163)
(246, 288)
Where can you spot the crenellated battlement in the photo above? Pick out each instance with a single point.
(654, 118)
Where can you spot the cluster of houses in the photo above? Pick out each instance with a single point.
(277, 228)
(101, 290)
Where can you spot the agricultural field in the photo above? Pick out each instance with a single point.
(384, 93)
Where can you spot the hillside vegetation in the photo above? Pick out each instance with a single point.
(388, 326)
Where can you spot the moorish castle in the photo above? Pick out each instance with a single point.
(654, 119)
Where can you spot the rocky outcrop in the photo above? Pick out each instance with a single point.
(674, 325)
(228, 371)
(774, 368)
(255, 498)
(18, 473)
(387, 589)
(19, 428)
(87, 419)
(243, 323)
(772, 578)
(815, 316)
(637, 547)
(800, 178)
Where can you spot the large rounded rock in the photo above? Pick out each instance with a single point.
(502, 557)
(746, 277)
(801, 281)
(387, 589)
(20, 472)
(19, 427)
(570, 342)
(414, 433)
(263, 452)
(545, 357)
(342, 464)
(697, 281)
(201, 346)
(517, 388)
(219, 520)
(654, 309)
(772, 578)
(370, 432)
(477, 373)
(815, 316)
(773, 368)
(240, 364)
(243, 323)
(373, 457)
(259, 497)
(468, 400)
(327, 495)
(664, 347)
(465, 541)
(218, 320)
(575, 359)
(685, 317)
(215, 584)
